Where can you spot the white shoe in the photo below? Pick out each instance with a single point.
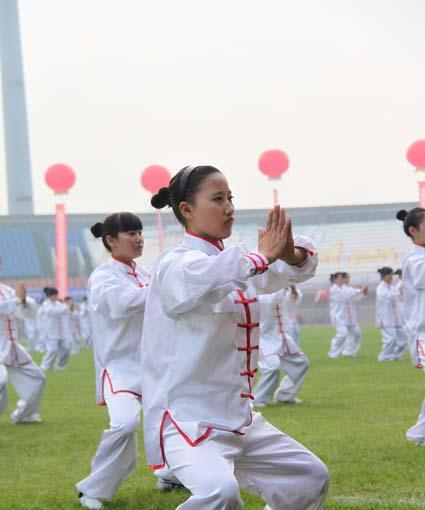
(295, 402)
(267, 507)
(33, 418)
(93, 503)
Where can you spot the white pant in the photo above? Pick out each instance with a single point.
(295, 366)
(394, 343)
(28, 381)
(56, 350)
(347, 341)
(263, 461)
(75, 344)
(116, 456)
(3, 389)
(417, 432)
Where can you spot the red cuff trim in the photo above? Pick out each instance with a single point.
(260, 264)
(263, 262)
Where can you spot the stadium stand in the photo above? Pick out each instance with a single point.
(357, 239)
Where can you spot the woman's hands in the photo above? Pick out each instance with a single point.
(276, 240)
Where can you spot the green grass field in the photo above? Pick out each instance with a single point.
(354, 417)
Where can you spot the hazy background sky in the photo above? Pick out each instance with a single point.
(113, 86)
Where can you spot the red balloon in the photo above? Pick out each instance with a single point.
(273, 163)
(60, 178)
(154, 177)
(416, 154)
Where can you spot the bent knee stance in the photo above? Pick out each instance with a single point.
(127, 427)
(224, 492)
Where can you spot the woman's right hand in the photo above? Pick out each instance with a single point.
(277, 235)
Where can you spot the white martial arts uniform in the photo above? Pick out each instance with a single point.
(199, 356)
(85, 325)
(343, 313)
(30, 326)
(414, 292)
(3, 389)
(116, 299)
(25, 376)
(74, 327)
(59, 339)
(41, 329)
(290, 308)
(389, 320)
(278, 351)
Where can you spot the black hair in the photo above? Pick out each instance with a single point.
(412, 218)
(182, 188)
(50, 291)
(114, 224)
(334, 276)
(399, 272)
(385, 271)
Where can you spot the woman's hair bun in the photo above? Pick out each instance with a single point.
(96, 229)
(161, 199)
(401, 215)
(379, 270)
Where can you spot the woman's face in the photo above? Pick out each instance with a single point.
(418, 234)
(388, 278)
(127, 245)
(339, 280)
(211, 213)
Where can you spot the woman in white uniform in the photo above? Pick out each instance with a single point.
(342, 302)
(58, 341)
(16, 363)
(414, 289)
(278, 352)
(389, 318)
(117, 293)
(200, 352)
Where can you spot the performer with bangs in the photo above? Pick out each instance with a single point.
(117, 293)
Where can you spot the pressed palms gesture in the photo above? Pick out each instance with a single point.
(276, 240)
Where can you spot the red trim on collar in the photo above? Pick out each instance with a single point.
(132, 265)
(219, 244)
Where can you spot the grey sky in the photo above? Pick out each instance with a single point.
(114, 86)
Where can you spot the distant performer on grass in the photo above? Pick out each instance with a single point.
(342, 302)
(57, 329)
(414, 293)
(389, 317)
(16, 364)
(117, 293)
(278, 352)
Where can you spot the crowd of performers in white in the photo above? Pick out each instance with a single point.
(189, 334)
